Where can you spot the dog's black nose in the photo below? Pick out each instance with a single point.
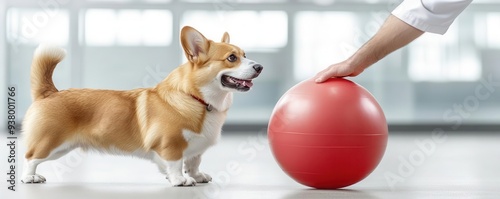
(258, 68)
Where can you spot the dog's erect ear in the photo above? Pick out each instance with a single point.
(193, 42)
(225, 38)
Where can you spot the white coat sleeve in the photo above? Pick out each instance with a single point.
(433, 16)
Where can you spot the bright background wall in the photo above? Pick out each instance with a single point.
(125, 44)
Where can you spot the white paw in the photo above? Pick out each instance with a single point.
(181, 181)
(201, 177)
(33, 179)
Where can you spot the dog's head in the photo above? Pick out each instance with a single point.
(218, 64)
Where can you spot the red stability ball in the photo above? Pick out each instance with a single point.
(328, 135)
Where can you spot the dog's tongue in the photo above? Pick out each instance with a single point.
(247, 83)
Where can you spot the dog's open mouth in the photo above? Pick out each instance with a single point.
(235, 83)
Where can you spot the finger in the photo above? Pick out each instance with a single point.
(323, 76)
(320, 73)
(320, 79)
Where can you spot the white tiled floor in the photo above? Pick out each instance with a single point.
(462, 166)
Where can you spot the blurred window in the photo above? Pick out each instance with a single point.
(108, 27)
(440, 58)
(487, 30)
(321, 39)
(131, 1)
(33, 26)
(230, 2)
(251, 30)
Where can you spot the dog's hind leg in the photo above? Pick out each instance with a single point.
(44, 150)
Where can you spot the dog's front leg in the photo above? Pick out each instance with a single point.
(174, 174)
(191, 167)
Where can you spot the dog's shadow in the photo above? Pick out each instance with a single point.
(160, 190)
(105, 191)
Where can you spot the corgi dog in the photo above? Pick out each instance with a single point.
(171, 124)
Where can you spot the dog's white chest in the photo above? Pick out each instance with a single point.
(210, 134)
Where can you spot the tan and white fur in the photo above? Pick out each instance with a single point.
(171, 124)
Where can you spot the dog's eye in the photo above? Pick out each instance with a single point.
(245, 55)
(232, 58)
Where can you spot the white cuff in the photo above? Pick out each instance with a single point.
(433, 16)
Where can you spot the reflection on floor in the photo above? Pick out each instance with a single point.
(414, 166)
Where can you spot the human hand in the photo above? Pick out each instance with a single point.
(342, 69)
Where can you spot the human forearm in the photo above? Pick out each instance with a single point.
(393, 35)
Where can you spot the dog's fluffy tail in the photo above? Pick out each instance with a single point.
(44, 62)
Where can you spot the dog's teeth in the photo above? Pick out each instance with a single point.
(239, 83)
